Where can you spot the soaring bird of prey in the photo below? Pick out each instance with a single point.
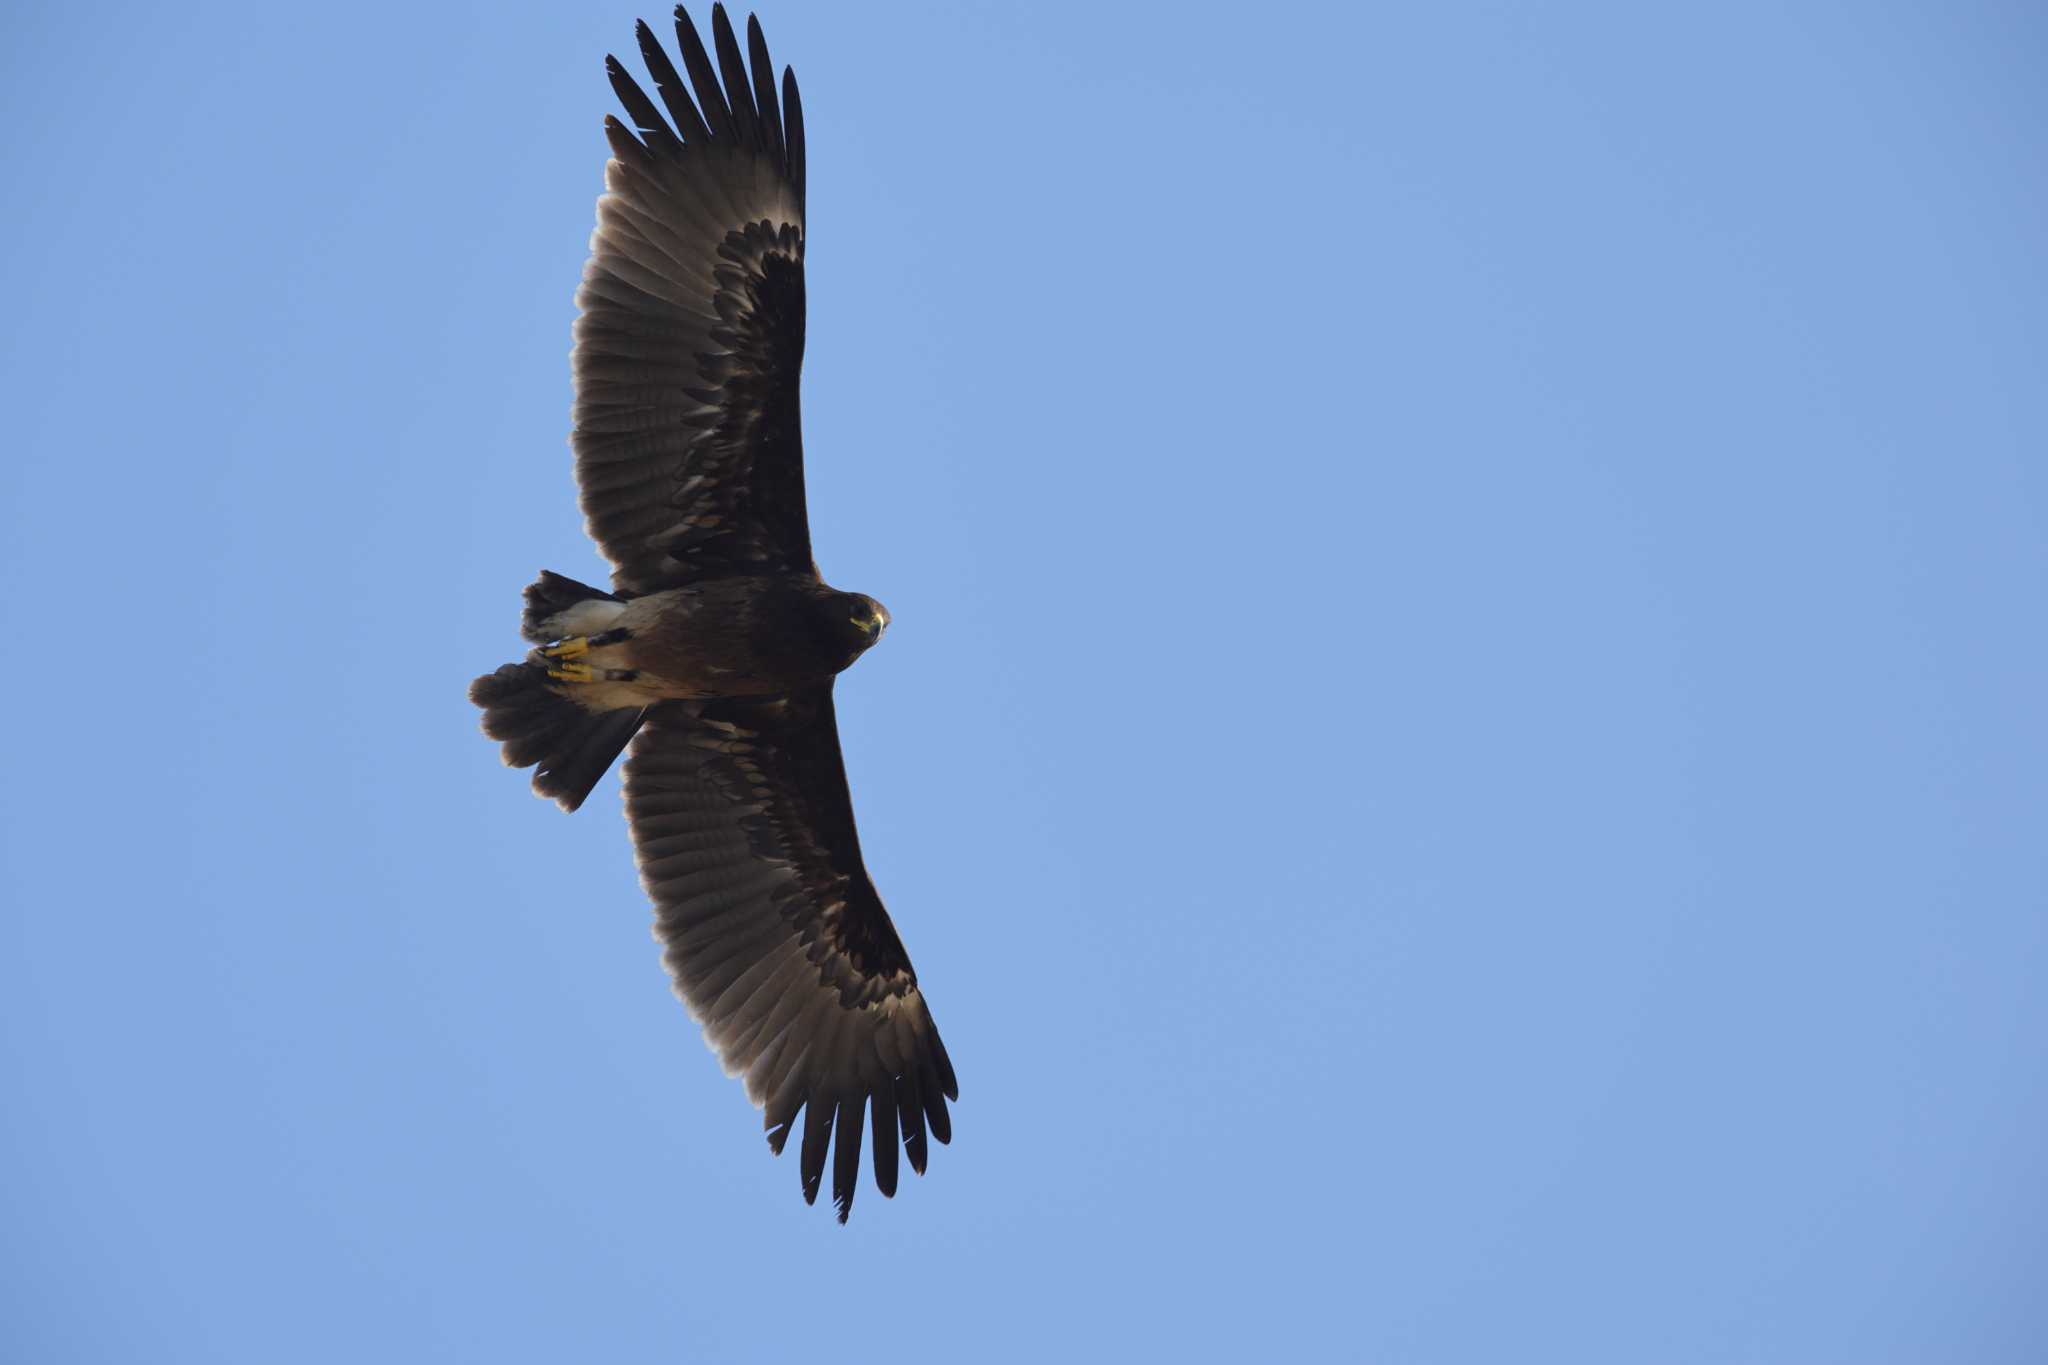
(714, 653)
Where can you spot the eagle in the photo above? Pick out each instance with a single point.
(714, 651)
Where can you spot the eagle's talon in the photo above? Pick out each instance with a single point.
(575, 673)
(573, 648)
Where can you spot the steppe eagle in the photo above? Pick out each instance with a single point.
(714, 652)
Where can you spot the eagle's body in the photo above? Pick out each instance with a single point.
(714, 651)
(724, 637)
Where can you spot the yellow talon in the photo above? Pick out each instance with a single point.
(574, 648)
(576, 673)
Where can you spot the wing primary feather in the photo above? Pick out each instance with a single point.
(882, 1110)
(935, 1115)
(653, 127)
(780, 1114)
(739, 94)
(624, 145)
(669, 85)
(846, 1154)
(910, 1108)
(764, 90)
(793, 132)
(944, 1066)
(818, 1113)
(703, 76)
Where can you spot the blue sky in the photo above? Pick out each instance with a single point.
(1462, 754)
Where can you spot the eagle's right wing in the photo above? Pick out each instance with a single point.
(775, 936)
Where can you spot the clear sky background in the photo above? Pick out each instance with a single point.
(1463, 755)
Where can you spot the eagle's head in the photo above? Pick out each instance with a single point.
(866, 616)
(848, 624)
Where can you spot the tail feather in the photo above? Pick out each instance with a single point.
(568, 746)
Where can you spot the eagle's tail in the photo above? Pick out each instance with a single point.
(568, 745)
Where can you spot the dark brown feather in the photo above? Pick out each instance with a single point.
(883, 1112)
(846, 1153)
(739, 90)
(703, 76)
(764, 88)
(793, 137)
(817, 1139)
(653, 129)
(674, 94)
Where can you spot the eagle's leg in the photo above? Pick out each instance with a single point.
(561, 656)
(568, 660)
(576, 672)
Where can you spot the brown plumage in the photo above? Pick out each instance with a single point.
(714, 652)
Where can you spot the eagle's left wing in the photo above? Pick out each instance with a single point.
(775, 936)
(689, 452)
